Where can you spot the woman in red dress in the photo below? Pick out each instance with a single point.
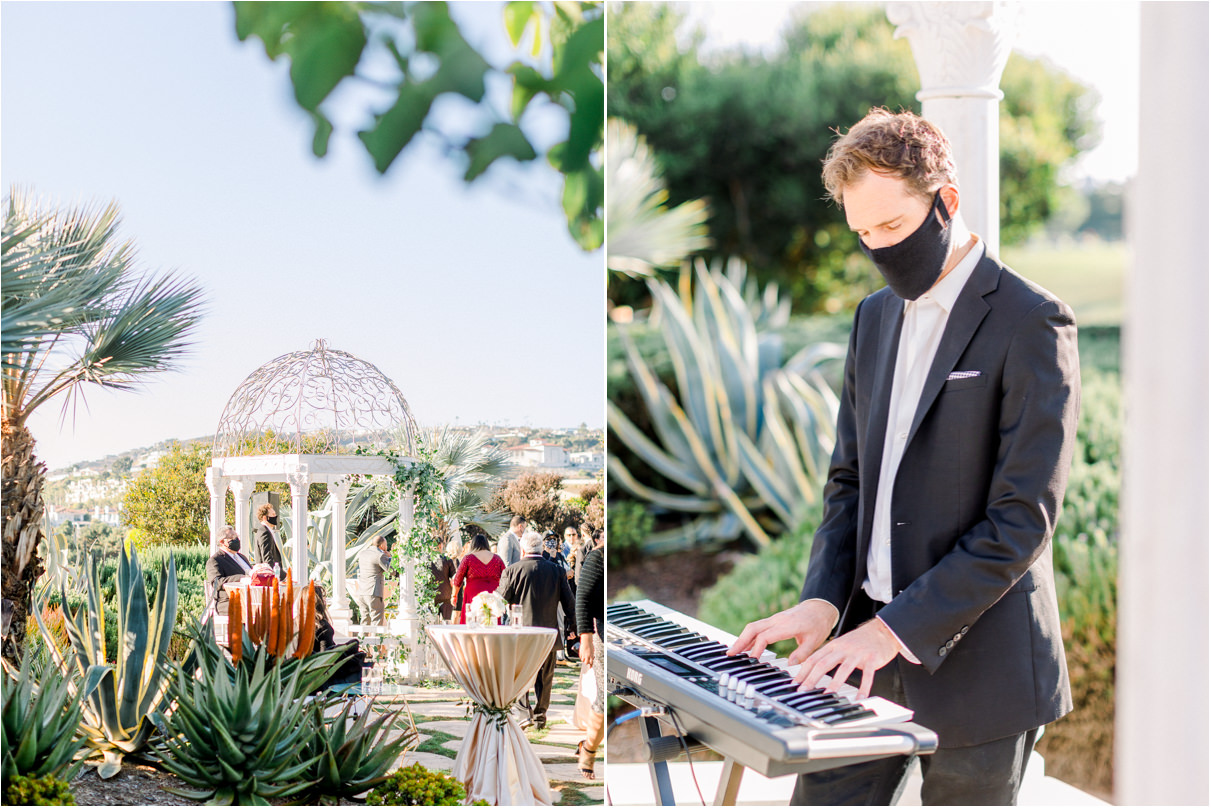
(480, 569)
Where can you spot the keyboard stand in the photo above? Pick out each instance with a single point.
(662, 786)
(729, 782)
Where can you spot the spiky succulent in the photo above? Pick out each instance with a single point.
(239, 735)
(352, 758)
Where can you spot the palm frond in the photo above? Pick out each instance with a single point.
(644, 233)
(76, 311)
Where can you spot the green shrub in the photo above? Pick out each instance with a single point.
(48, 790)
(416, 785)
(762, 584)
(630, 524)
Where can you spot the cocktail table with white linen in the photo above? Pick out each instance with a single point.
(495, 666)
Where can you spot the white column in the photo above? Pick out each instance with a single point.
(299, 481)
(339, 603)
(1161, 756)
(217, 484)
(409, 620)
(960, 50)
(242, 491)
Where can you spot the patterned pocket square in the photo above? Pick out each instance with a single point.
(963, 374)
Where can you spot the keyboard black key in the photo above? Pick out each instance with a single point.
(682, 642)
(728, 664)
(708, 648)
(841, 719)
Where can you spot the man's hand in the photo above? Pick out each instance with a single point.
(808, 623)
(586, 650)
(867, 648)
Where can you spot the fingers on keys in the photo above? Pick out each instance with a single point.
(752, 640)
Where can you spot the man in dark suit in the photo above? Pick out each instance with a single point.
(443, 569)
(267, 551)
(541, 588)
(954, 439)
(227, 566)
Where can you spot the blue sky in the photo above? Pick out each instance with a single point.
(474, 300)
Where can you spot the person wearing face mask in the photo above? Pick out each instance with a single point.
(227, 566)
(267, 551)
(931, 568)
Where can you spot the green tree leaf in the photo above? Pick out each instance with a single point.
(505, 140)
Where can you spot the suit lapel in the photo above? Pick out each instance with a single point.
(969, 311)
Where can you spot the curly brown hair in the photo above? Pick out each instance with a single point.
(902, 145)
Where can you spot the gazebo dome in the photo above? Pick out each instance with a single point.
(320, 401)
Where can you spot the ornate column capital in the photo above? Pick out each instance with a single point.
(215, 481)
(960, 47)
(299, 481)
(241, 489)
(339, 490)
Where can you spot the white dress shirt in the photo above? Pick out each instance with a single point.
(924, 321)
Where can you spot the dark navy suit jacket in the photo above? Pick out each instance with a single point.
(973, 507)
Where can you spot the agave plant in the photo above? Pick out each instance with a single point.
(746, 434)
(352, 758)
(41, 722)
(117, 712)
(240, 734)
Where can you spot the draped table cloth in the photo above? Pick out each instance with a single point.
(495, 666)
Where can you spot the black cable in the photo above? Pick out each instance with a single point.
(686, 747)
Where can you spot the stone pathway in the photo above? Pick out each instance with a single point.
(441, 718)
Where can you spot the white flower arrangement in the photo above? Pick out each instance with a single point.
(487, 605)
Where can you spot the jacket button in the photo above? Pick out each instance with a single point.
(942, 651)
(958, 637)
(963, 630)
(950, 643)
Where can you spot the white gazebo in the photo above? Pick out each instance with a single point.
(300, 419)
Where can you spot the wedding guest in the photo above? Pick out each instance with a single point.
(443, 568)
(227, 566)
(373, 563)
(590, 617)
(541, 588)
(480, 570)
(509, 543)
(267, 551)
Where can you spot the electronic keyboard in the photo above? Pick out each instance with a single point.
(749, 710)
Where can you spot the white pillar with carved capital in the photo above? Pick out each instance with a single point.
(961, 50)
(300, 482)
(409, 620)
(242, 491)
(339, 603)
(217, 484)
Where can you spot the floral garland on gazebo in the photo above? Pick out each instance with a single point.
(423, 480)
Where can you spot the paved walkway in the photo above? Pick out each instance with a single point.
(630, 784)
(440, 713)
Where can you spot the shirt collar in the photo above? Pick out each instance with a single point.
(947, 290)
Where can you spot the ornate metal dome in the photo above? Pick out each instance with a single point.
(320, 401)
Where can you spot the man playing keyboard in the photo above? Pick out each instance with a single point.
(955, 433)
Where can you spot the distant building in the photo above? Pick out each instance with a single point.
(537, 453)
(587, 461)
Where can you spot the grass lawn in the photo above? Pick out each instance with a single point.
(1088, 278)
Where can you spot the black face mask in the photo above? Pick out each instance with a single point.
(914, 265)
(234, 545)
(273, 520)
